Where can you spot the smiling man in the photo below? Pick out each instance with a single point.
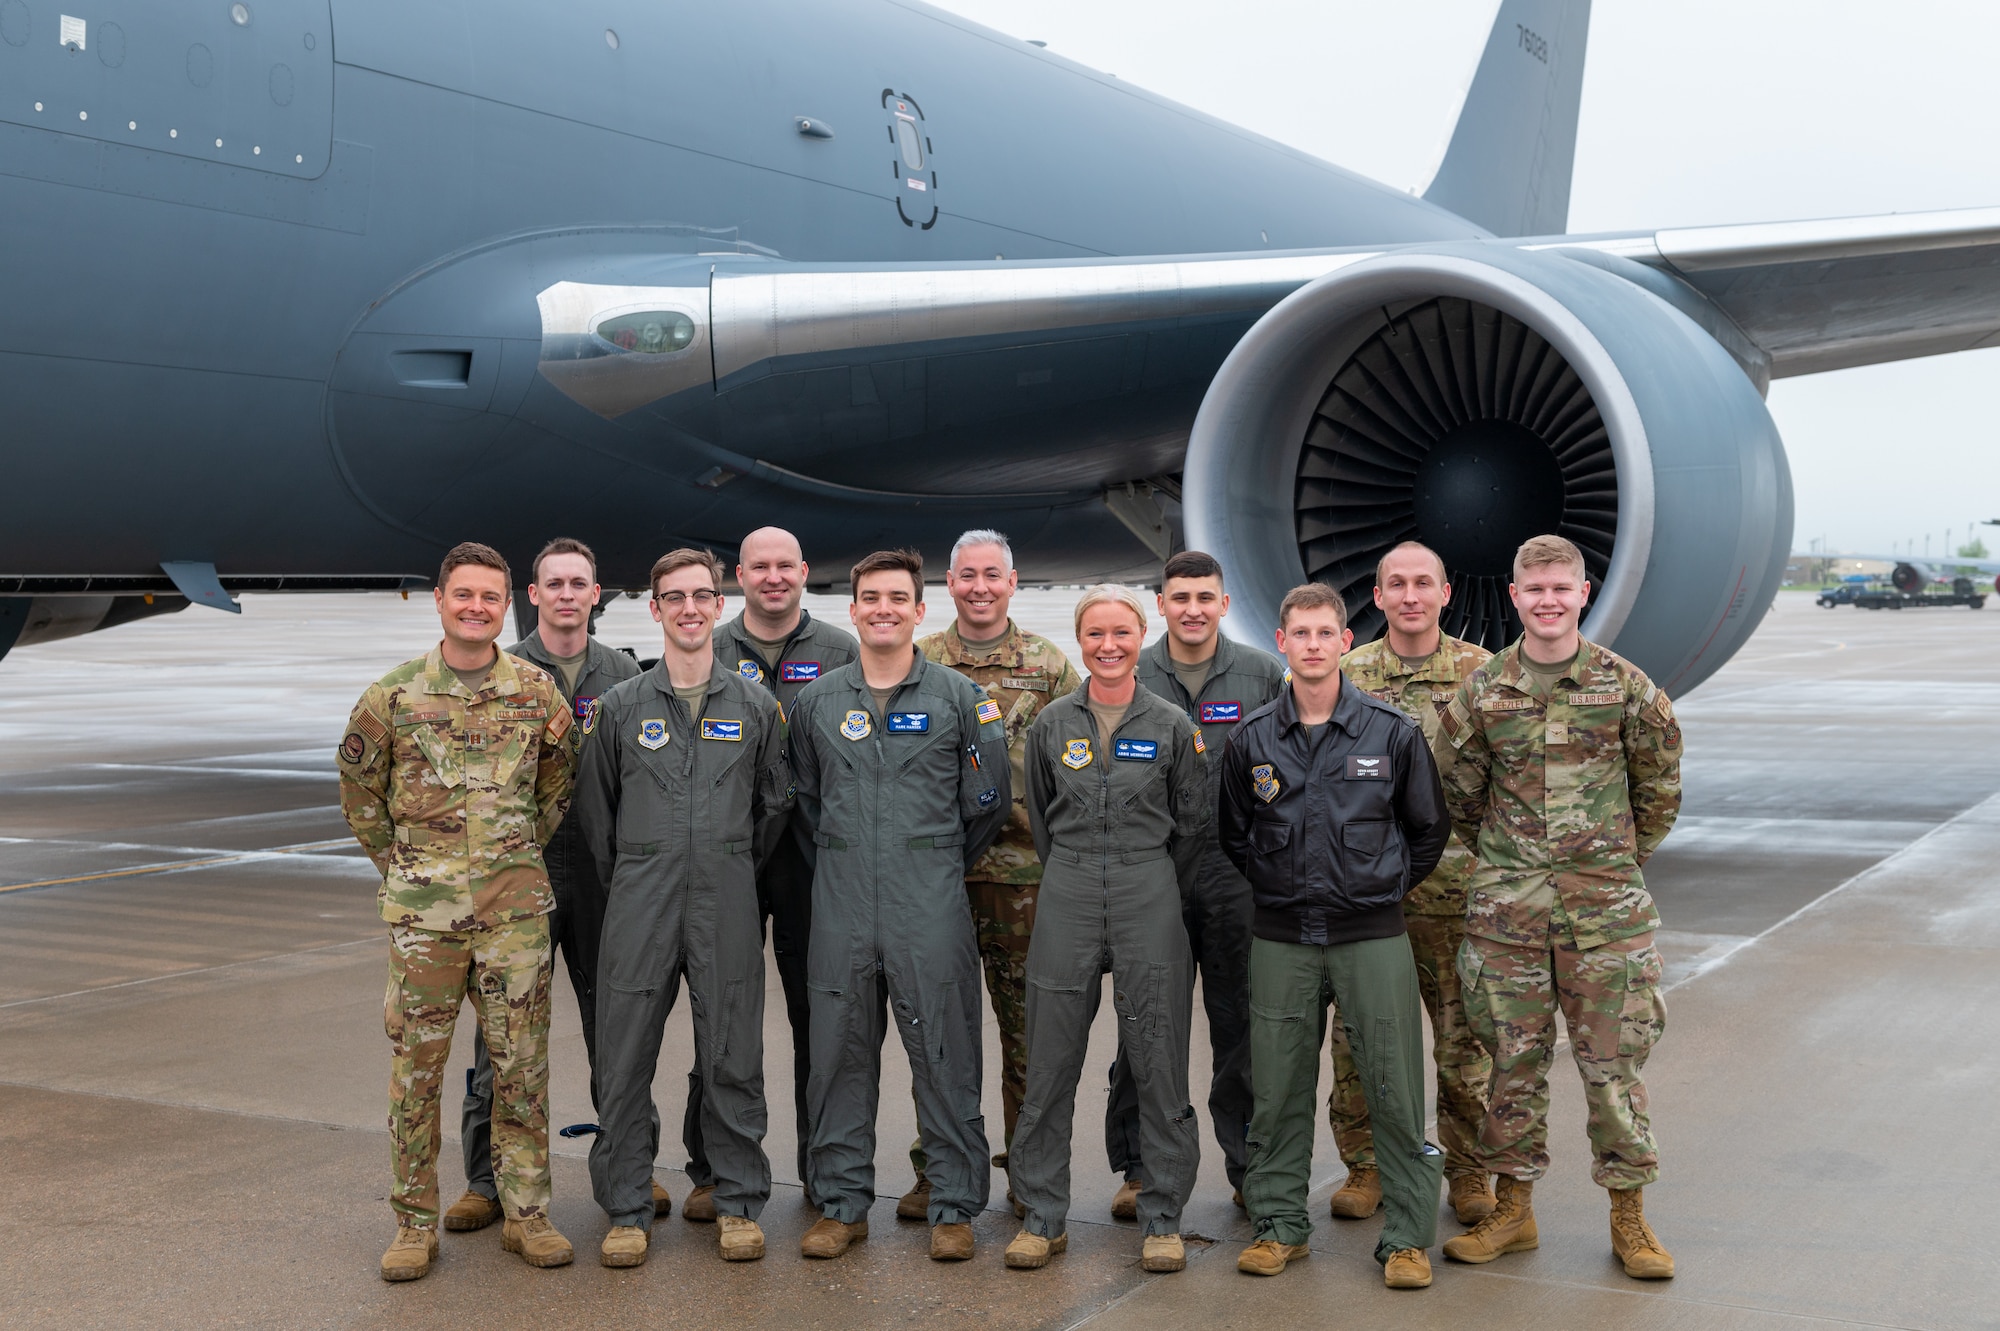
(1022, 673)
(564, 593)
(902, 784)
(682, 790)
(1562, 769)
(1417, 667)
(455, 771)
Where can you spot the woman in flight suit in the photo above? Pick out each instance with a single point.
(1116, 800)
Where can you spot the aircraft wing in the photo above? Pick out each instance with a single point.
(1839, 292)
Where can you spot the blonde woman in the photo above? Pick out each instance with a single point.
(1117, 796)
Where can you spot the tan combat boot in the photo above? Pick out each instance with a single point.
(1634, 1241)
(411, 1255)
(1031, 1252)
(830, 1238)
(1407, 1268)
(951, 1243)
(662, 1202)
(1471, 1197)
(1510, 1227)
(1163, 1252)
(1125, 1206)
(700, 1205)
(539, 1242)
(625, 1245)
(472, 1211)
(1360, 1196)
(916, 1203)
(739, 1237)
(1268, 1257)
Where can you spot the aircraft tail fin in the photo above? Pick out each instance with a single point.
(1507, 167)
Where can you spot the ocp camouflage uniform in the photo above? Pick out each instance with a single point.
(453, 794)
(1435, 914)
(1564, 794)
(1022, 675)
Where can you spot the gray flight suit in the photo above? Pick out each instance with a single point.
(676, 812)
(1119, 824)
(573, 928)
(895, 808)
(784, 882)
(1215, 907)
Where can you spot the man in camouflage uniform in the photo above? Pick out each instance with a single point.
(1561, 766)
(1021, 672)
(1415, 666)
(455, 771)
(564, 591)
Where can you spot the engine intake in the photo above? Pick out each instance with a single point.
(1470, 397)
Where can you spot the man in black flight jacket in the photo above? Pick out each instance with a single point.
(1331, 807)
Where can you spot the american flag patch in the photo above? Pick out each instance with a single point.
(988, 711)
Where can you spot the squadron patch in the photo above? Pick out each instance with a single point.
(729, 730)
(987, 711)
(858, 725)
(1265, 784)
(797, 672)
(653, 733)
(353, 748)
(1136, 750)
(1076, 753)
(586, 714)
(750, 670)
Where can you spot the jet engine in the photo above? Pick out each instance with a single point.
(1470, 397)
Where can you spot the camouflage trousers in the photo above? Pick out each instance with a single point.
(1463, 1066)
(1610, 1001)
(505, 971)
(1003, 916)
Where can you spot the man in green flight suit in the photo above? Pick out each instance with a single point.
(1022, 673)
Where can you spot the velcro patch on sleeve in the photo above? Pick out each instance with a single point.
(371, 726)
(987, 711)
(1456, 723)
(558, 726)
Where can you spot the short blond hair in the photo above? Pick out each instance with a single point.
(1542, 551)
(1312, 596)
(1105, 592)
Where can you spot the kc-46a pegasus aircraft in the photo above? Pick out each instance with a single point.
(298, 293)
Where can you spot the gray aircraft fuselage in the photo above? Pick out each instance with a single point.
(314, 348)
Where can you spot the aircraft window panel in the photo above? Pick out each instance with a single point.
(912, 146)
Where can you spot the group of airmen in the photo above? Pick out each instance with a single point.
(1411, 829)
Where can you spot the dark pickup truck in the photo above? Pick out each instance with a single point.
(1888, 598)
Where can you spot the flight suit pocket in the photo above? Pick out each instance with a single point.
(1642, 1017)
(392, 1010)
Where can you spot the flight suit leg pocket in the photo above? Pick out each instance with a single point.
(1642, 1018)
(1470, 965)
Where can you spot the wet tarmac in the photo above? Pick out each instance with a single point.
(192, 1067)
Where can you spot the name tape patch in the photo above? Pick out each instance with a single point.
(1136, 750)
(1506, 704)
(909, 723)
(1360, 768)
(795, 672)
(1221, 713)
(1025, 682)
(729, 730)
(1594, 699)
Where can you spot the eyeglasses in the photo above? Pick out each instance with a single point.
(675, 600)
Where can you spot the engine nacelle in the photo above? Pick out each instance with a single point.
(1470, 397)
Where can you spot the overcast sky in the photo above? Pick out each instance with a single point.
(1696, 112)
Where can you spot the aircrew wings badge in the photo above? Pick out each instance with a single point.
(1076, 753)
(652, 733)
(1266, 784)
(858, 725)
(987, 711)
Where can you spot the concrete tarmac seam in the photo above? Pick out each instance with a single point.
(200, 970)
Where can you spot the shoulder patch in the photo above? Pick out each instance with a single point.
(1200, 745)
(559, 724)
(987, 711)
(370, 726)
(588, 718)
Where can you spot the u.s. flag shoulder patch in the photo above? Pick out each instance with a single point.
(1200, 745)
(987, 711)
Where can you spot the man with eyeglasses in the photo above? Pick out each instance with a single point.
(564, 591)
(777, 643)
(681, 789)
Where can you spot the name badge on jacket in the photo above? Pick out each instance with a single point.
(794, 672)
(909, 723)
(1216, 713)
(729, 730)
(1359, 768)
(1136, 750)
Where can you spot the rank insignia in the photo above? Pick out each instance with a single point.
(858, 725)
(909, 723)
(750, 670)
(987, 711)
(653, 733)
(1076, 753)
(1200, 745)
(729, 730)
(798, 672)
(1221, 713)
(587, 714)
(1265, 783)
(1136, 750)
